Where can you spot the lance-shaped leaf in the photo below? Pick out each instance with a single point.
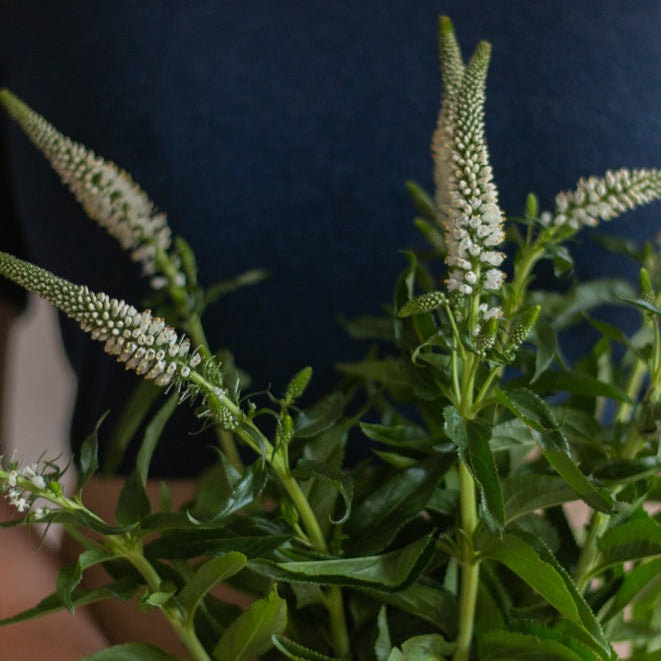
(472, 440)
(108, 194)
(251, 634)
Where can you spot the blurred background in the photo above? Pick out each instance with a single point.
(40, 388)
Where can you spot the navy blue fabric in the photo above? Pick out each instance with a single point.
(279, 135)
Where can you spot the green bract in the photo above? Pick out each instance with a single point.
(455, 540)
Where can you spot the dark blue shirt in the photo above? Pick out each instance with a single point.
(279, 136)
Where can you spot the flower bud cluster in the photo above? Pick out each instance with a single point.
(143, 342)
(424, 303)
(108, 195)
(604, 198)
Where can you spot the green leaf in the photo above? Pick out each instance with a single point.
(541, 571)
(320, 416)
(641, 583)
(251, 634)
(387, 572)
(430, 602)
(68, 579)
(133, 504)
(393, 373)
(225, 287)
(381, 515)
(587, 296)
(633, 540)
(383, 644)
(122, 589)
(546, 343)
(130, 652)
(472, 440)
(643, 305)
(421, 199)
(89, 455)
(297, 652)
(152, 436)
(428, 647)
(511, 433)
(250, 539)
(246, 489)
(534, 411)
(136, 408)
(208, 575)
(509, 645)
(399, 436)
(526, 493)
(579, 384)
(307, 468)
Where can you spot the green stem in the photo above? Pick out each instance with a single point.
(173, 613)
(197, 334)
(470, 569)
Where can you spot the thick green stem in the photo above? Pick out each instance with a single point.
(470, 570)
(334, 600)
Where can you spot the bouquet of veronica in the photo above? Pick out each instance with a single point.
(454, 540)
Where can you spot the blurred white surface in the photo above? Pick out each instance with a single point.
(40, 388)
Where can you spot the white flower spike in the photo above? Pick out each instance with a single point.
(108, 194)
(143, 342)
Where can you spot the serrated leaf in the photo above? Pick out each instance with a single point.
(526, 493)
(387, 572)
(297, 652)
(511, 433)
(307, 468)
(130, 652)
(380, 516)
(251, 634)
(642, 582)
(206, 576)
(251, 538)
(509, 645)
(534, 411)
(531, 560)
(472, 440)
(633, 540)
(121, 589)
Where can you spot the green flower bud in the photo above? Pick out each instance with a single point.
(645, 286)
(424, 303)
(522, 327)
(298, 384)
(486, 336)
